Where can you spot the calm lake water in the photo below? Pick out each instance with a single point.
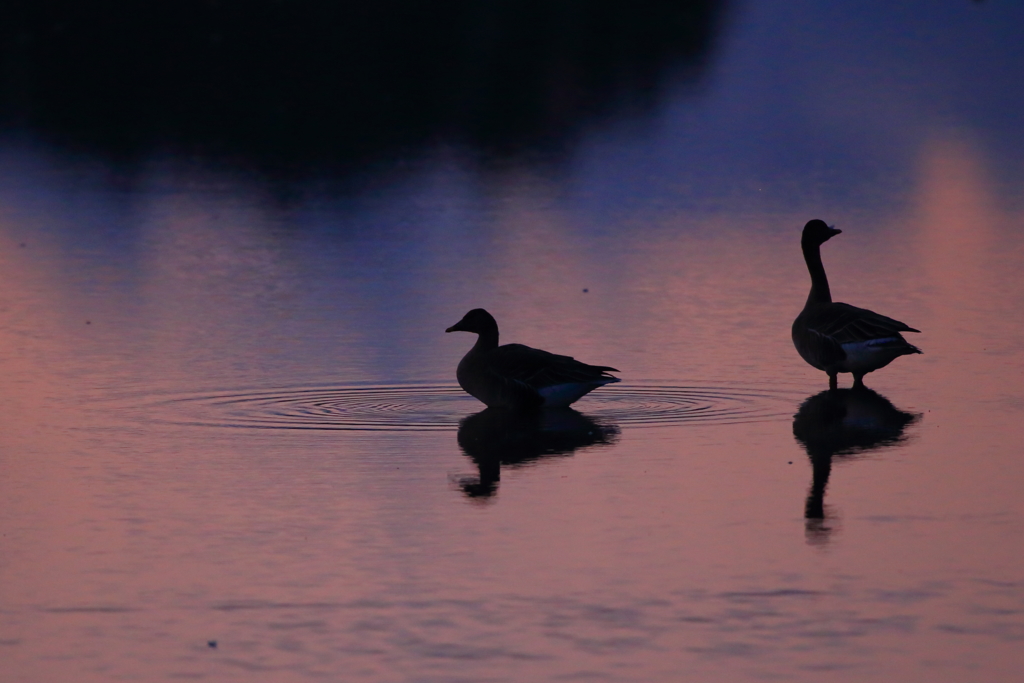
(233, 447)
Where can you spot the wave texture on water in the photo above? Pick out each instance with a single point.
(440, 407)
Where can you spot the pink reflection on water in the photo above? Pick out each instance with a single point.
(128, 545)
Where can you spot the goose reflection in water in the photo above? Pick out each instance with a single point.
(501, 436)
(843, 423)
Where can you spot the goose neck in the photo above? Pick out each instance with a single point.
(487, 339)
(820, 292)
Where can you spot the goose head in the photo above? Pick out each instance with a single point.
(816, 233)
(478, 321)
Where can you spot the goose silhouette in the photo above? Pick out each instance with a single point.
(518, 376)
(836, 337)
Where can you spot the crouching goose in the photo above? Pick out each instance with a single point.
(836, 337)
(517, 376)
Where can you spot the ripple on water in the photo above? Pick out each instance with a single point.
(439, 407)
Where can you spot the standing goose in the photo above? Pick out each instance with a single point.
(836, 337)
(517, 376)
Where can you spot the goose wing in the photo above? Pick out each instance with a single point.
(525, 366)
(843, 324)
(821, 331)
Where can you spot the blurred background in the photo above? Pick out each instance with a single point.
(339, 83)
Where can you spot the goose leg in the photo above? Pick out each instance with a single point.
(833, 381)
(858, 381)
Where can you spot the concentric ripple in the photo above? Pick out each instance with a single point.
(657, 405)
(432, 407)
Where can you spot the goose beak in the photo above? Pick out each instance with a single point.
(454, 328)
(835, 230)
